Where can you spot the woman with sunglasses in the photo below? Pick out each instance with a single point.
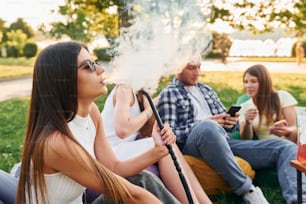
(65, 149)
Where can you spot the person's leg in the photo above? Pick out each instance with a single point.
(8, 187)
(207, 140)
(194, 182)
(150, 182)
(272, 153)
(153, 184)
(172, 181)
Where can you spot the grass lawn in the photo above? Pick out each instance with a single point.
(19, 67)
(15, 67)
(228, 85)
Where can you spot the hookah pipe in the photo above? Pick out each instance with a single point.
(170, 149)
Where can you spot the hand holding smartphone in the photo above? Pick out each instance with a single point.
(233, 109)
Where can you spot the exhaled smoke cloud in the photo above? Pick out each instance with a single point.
(162, 37)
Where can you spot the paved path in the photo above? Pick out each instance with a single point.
(288, 67)
(15, 88)
(22, 87)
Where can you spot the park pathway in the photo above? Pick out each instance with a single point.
(15, 88)
(22, 87)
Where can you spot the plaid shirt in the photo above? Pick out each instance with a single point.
(176, 109)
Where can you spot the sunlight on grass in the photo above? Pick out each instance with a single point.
(7, 72)
(13, 114)
(227, 84)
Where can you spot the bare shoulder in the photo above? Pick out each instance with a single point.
(58, 149)
(57, 142)
(123, 89)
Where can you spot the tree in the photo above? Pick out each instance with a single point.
(86, 18)
(263, 16)
(2, 25)
(16, 42)
(221, 45)
(20, 24)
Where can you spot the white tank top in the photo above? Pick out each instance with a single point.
(108, 120)
(61, 188)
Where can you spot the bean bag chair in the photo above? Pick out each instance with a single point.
(210, 180)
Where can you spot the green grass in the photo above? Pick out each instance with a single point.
(19, 67)
(12, 129)
(21, 61)
(227, 84)
(15, 67)
(264, 59)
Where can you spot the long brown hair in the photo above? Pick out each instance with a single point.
(53, 104)
(267, 100)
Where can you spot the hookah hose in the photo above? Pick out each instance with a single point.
(170, 149)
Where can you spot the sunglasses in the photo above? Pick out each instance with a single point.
(90, 65)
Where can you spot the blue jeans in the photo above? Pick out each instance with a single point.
(8, 188)
(208, 140)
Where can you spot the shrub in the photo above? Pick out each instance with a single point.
(104, 54)
(13, 51)
(30, 49)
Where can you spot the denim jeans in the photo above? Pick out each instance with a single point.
(208, 140)
(150, 182)
(8, 188)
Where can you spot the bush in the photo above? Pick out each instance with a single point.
(30, 49)
(12, 51)
(104, 54)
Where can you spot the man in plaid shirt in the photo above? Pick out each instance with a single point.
(201, 124)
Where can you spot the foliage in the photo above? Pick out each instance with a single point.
(103, 54)
(15, 42)
(12, 51)
(14, 37)
(262, 16)
(221, 46)
(84, 20)
(2, 25)
(30, 49)
(106, 53)
(20, 24)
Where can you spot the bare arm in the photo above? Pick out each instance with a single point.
(246, 127)
(286, 127)
(106, 156)
(246, 130)
(123, 123)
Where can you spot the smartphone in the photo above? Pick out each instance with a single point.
(233, 109)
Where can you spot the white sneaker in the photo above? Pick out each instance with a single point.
(255, 196)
